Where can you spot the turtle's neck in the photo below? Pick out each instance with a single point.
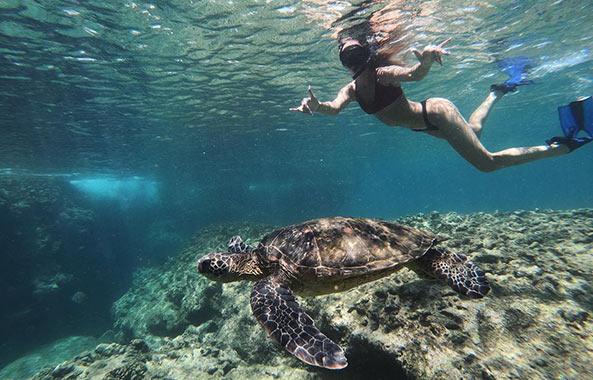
(247, 266)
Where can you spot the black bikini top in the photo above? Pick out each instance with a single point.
(384, 96)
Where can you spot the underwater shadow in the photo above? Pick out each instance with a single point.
(367, 361)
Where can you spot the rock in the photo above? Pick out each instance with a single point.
(109, 349)
(575, 315)
(131, 371)
(211, 370)
(62, 370)
(139, 345)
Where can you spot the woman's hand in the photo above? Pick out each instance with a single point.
(434, 52)
(308, 105)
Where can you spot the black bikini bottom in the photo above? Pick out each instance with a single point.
(429, 126)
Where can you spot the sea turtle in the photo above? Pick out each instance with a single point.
(326, 256)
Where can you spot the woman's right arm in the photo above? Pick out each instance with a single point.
(311, 105)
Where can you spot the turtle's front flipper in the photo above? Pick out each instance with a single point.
(460, 273)
(237, 245)
(277, 310)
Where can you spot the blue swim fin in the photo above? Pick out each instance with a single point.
(516, 68)
(577, 116)
(574, 118)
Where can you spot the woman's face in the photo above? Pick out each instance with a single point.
(350, 42)
(353, 55)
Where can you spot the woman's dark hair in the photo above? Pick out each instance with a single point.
(355, 56)
(382, 36)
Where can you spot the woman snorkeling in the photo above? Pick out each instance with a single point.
(376, 86)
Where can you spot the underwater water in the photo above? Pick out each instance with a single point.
(129, 127)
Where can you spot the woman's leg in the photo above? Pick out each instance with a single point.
(478, 118)
(460, 135)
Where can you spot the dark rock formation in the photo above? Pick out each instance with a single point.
(63, 260)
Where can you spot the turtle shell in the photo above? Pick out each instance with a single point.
(348, 243)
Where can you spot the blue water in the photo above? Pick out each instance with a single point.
(173, 115)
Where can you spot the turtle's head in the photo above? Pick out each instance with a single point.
(229, 267)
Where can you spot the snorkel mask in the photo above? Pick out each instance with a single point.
(355, 57)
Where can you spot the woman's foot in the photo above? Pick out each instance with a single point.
(571, 143)
(509, 86)
(503, 88)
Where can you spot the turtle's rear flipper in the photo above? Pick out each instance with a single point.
(460, 273)
(277, 310)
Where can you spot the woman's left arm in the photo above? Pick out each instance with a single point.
(394, 74)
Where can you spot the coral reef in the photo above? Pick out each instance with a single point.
(535, 323)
